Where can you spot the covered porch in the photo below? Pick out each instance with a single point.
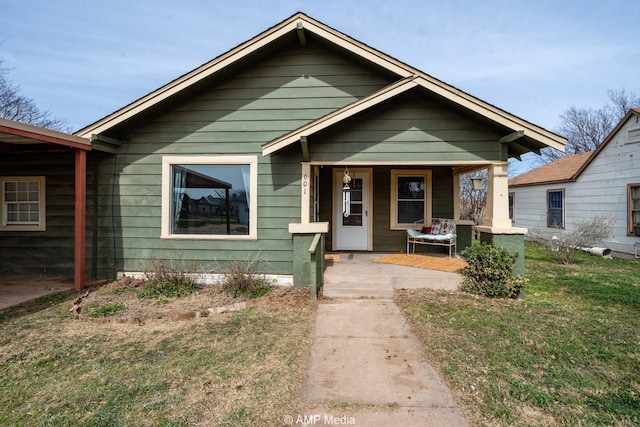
(404, 149)
(35, 236)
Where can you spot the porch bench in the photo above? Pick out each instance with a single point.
(434, 238)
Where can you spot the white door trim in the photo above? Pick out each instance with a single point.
(337, 186)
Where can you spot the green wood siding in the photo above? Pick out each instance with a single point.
(410, 127)
(234, 118)
(49, 252)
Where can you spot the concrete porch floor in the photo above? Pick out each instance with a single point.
(16, 288)
(357, 275)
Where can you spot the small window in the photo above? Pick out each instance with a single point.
(555, 208)
(410, 197)
(23, 203)
(634, 209)
(209, 197)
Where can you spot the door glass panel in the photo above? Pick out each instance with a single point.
(355, 217)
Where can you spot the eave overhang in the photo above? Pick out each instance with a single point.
(523, 136)
(21, 135)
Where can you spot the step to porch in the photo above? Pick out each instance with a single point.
(358, 287)
(357, 275)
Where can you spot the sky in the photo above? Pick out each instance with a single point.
(84, 59)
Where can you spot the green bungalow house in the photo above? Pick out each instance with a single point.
(246, 155)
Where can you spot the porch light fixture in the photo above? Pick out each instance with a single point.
(477, 182)
(346, 194)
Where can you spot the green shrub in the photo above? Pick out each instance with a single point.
(242, 278)
(106, 310)
(164, 280)
(490, 272)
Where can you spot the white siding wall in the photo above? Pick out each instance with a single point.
(600, 189)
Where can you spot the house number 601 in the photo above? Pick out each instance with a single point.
(305, 180)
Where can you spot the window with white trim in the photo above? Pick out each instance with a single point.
(410, 197)
(555, 208)
(634, 209)
(23, 203)
(209, 197)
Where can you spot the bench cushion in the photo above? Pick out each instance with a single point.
(440, 237)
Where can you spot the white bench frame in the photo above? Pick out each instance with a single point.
(425, 240)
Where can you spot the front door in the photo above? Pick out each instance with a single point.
(351, 213)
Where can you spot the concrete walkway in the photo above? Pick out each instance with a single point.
(366, 366)
(357, 275)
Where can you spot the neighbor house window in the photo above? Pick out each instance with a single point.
(555, 208)
(23, 203)
(512, 206)
(634, 209)
(209, 197)
(410, 197)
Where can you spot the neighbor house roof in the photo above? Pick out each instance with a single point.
(520, 135)
(569, 168)
(562, 170)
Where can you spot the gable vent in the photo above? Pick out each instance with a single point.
(633, 136)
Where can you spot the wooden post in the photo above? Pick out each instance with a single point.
(80, 219)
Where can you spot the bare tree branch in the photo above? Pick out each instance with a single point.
(14, 106)
(587, 128)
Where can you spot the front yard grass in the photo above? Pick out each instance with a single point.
(566, 354)
(238, 368)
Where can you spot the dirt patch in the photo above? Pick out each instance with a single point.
(207, 300)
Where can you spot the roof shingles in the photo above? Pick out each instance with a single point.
(561, 170)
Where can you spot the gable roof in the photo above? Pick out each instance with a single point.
(297, 28)
(569, 168)
(562, 170)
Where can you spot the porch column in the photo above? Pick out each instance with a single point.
(305, 193)
(497, 210)
(80, 219)
(456, 196)
(497, 226)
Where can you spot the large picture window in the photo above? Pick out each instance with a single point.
(634, 209)
(410, 197)
(555, 208)
(209, 197)
(23, 203)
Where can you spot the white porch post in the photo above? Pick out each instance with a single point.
(305, 193)
(456, 196)
(497, 210)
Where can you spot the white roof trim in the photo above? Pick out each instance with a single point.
(397, 88)
(339, 115)
(492, 113)
(233, 55)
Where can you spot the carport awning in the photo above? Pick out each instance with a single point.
(16, 137)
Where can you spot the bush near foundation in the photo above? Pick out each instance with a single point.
(490, 272)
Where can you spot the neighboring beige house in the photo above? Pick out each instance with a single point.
(581, 186)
